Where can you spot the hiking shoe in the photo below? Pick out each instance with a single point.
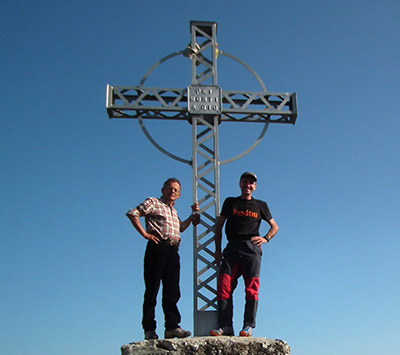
(246, 332)
(222, 331)
(176, 333)
(150, 334)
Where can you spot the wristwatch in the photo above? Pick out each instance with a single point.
(267, 238)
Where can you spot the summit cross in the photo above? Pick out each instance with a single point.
(204, 105)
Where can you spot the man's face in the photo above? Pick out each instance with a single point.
(247, 185)
(171, 191)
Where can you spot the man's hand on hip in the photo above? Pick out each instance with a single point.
(258, 240)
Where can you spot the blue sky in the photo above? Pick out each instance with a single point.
(71, 275)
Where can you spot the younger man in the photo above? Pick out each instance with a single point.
(242, 255)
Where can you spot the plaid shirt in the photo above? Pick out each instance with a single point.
(161, 219)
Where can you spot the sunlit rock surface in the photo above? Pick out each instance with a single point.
(208, 346)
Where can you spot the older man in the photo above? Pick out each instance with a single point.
(162, 261)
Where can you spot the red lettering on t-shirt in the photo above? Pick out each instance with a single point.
(246, 213)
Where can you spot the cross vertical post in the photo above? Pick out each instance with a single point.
(205, 168)
(206, 192)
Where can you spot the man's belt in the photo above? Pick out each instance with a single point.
(171, 241)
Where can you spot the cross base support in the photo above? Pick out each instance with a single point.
(205, 321)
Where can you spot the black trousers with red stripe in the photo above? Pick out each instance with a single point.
(240, 258)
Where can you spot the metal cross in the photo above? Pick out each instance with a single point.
(205, 105)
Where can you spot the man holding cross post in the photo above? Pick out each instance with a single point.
(162, 261)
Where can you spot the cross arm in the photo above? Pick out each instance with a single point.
(258, 106)
(168, 103)
(134, 102)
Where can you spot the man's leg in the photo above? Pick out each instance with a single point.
(171, 290)
(250, 310)
(251, 274)
(227, 282)
(152, 277)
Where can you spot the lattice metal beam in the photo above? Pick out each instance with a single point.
(169, 103)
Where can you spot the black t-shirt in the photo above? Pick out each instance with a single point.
(244, 217)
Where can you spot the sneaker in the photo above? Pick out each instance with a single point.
(226, 330)
(150, 334)
(176, 333)
(246, 332)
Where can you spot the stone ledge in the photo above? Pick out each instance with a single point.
(208, 346)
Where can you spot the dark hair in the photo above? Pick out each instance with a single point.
(171, 180)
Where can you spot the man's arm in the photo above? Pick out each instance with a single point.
(218, 238)
(272, 231)
(195, 218)
(270, 234)
(138, 226)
